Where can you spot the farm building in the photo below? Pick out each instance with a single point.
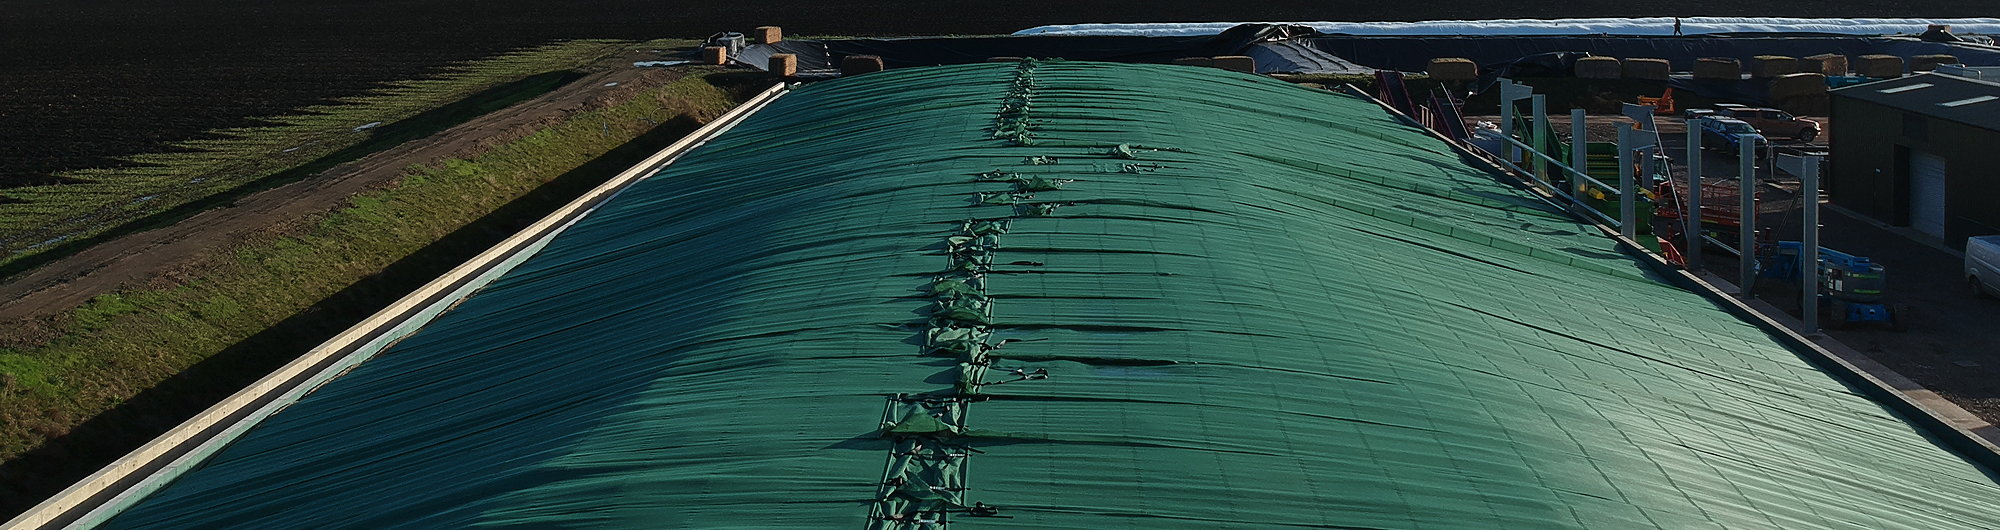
(1922, 154)
(1077, 295)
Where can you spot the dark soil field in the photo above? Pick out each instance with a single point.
(84, 82)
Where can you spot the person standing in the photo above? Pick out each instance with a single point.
(1677, 26)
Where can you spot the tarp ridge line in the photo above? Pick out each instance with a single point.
(926, 478)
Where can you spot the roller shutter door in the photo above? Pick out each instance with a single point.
(1927, 194)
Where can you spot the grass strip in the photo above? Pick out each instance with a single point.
(130, 364)
(64, 217)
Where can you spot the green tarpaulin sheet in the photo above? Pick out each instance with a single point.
(1080, 295)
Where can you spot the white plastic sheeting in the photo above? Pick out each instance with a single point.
(1566, 26)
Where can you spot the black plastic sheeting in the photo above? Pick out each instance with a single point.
(1750, 91)
(1551, 64)
(1298, 56)
(1413, 54)
(1276, 48)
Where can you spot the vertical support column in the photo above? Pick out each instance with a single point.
(1649, 162)
(1511, 92)
(1631, 141)
(1538, 104)
(1746, 187)
(1626, 210)
(1507, 120)
(1579, 149)
(1809, 245)
(1691, 214)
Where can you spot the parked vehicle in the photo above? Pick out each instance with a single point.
(1729, 133)
(1982, 265)
(1773, 123)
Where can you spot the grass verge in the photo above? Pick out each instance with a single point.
(63, 217)
(131, 364)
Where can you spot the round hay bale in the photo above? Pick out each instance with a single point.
(1195, 61)
(1599, 68)
(1236, 63)
(860, 64)
(1832, 64)
(1717, 68)
(1648, 68)
(1769, 66)
(1796, 85)
(1879, 66)
(1452, 69)
(1926, 63)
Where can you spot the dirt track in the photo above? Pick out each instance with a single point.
(157, 255)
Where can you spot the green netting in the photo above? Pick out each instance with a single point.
(1090, 296)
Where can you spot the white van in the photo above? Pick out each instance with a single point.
(1982, 265)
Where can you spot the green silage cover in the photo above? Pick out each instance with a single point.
(1090, 296)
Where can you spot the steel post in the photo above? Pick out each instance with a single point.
(1692, 213)
(1809, 245)
(1746, 188)
(1511, 92)
(1538, 104)
(1507, 118)
(1627, 212)
(1649, 163)
(1579, 149)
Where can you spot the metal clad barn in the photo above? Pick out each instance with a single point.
(1080, 295)
(1919, 152)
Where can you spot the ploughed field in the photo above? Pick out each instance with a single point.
(90, 82)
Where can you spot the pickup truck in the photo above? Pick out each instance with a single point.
(1773, 123)
(1728, 134)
